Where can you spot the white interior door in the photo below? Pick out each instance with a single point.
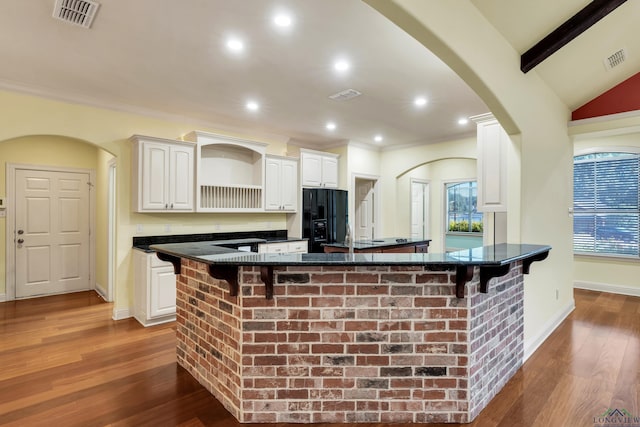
(365, 220)
(419, 209)
(52, 232)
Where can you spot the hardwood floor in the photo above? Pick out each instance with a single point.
(64, 362)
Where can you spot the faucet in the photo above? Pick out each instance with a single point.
(349, 239)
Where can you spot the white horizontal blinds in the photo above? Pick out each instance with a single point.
(606, 204)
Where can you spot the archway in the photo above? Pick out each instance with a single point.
(55, 152)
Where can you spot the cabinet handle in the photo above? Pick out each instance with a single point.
(166, 206)
(171, 205)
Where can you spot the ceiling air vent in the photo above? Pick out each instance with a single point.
(76, 12)
(345, 95)
(616, 59)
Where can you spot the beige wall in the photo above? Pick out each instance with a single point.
(400, 162)
(535, 119)
(102, 208)
(25, 115)
(437, 173)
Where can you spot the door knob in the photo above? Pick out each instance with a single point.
(20, 231)
(20, 241)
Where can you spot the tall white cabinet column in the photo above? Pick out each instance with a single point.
(493, 170)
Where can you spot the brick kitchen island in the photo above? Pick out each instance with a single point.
(349, 338)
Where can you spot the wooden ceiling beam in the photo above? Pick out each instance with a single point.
(572, 28)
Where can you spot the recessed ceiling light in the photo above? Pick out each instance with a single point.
(282, 20)
(420, 101)
(235, 44)
(341, 65)
(330, 126)
(252, 106)
(378, 138)
(463, 121)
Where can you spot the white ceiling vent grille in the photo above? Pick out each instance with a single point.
(616, 59)
(76, 12)
(345, 95)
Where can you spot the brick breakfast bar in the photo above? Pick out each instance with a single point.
(350, 338)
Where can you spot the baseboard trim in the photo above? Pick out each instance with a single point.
(605, 287)
(3, 297)
(123, 313)
(101, 291)
(530, 346)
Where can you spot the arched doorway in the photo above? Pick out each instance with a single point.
(53, 163)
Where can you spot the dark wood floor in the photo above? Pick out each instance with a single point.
(64, 362)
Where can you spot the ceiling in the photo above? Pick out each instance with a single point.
(576, 72)
(170, 59)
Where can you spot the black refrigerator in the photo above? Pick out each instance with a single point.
(324, 216)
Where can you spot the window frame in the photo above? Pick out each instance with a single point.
(446, 209)
(597, 150)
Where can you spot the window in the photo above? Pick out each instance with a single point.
(462, 202)
(605, 204)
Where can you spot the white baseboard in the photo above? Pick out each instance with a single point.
(605, 287)
(530, 346)
(101, 291)
(3, 297)
(123, 313)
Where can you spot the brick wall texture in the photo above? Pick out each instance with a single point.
(350, 344)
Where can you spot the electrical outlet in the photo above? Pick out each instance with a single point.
(139, 228)
(167, 227)
(216, 227)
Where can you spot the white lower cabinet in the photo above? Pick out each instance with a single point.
(154, 289)
(296, 247)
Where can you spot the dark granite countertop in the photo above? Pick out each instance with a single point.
(380, 243)
(208, 253)
(143, 243)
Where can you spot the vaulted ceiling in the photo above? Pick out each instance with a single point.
(171, 59)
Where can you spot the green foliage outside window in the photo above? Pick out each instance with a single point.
(462, 213)
(463, 226)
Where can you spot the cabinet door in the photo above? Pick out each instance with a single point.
(154, 175)
(140, 278)
(311, 170)
(272, 185)
(289, 185)
(492, 167)
(330, 172)
(181, 178)
(162, 292)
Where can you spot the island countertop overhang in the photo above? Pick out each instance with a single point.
(223, 263)
(209, 253)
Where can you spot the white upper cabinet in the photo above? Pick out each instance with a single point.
(281, 184)
(493, 150)
(319, 169)
(162, 175)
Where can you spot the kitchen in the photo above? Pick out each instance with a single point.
(103, 138)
